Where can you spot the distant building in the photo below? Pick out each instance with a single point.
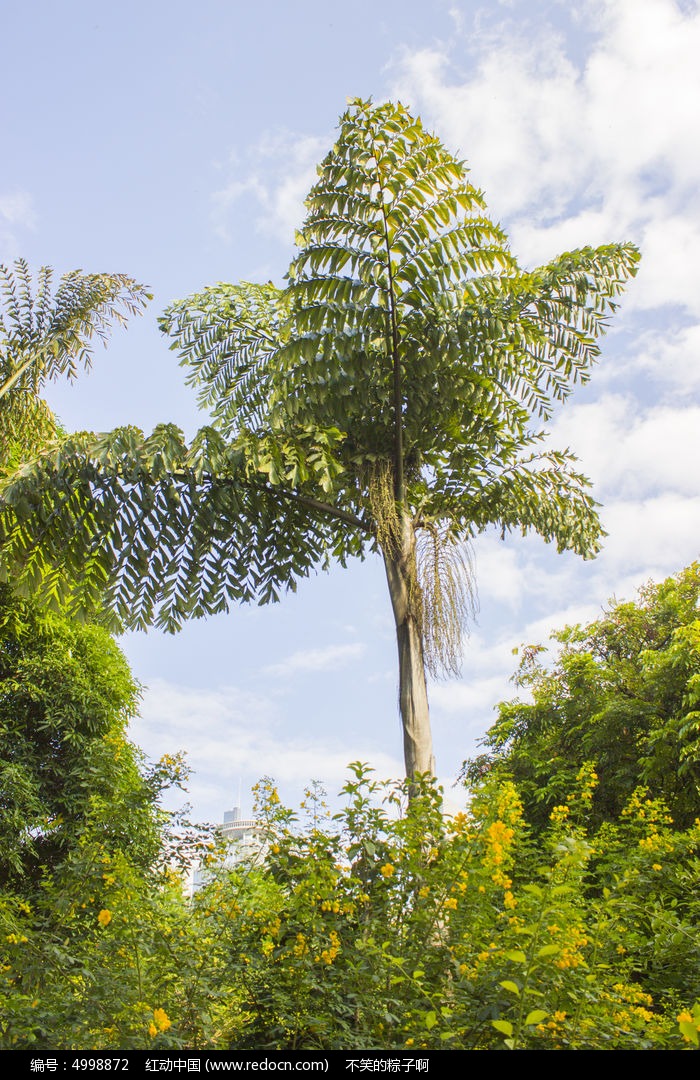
(245, 840)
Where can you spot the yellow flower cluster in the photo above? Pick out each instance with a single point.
(301, 948)
(161, 1022)
(105, 917)
(487, 952)
(459, 823)
(587, 782)
(387, 870)
(273, 927)
(633, 995)
(498, 838)
(690, 1025)
(642, 808)
(553, 1026)
(570, 956)
(655, 842)
(329, 955)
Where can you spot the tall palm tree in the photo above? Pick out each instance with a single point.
(390, 398)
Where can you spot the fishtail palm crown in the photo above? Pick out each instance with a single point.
(390, 398)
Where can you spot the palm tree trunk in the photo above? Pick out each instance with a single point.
(413, 694)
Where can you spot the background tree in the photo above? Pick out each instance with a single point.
(66, 692)
(623, 693)
(390, 398)
(67, 769)
(46, 334)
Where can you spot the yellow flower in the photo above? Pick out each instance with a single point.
(424, 891)
(105, 917)
(329, 955)
(451, 903)
(152, 1030)
(387, 870)
(162, 1019)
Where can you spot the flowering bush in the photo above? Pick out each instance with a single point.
(389, 925)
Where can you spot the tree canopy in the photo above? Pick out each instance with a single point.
(391, 397)
(67, 769)
(622, 693)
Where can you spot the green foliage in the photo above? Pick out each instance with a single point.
(44, 335)
(83, 843)
(623, 693)
(66, 767)
(406, 344)
(390, 925)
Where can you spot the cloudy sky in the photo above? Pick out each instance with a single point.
(176, 143)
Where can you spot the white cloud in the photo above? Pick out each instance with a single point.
(17, 212)
(671, 357)
(510, 572)
(575, 153)
(628, 451)
(460, 697)
(328, 658)
(234, 737)
(652, 537)
(276, 173)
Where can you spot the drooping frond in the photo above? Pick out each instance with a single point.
(161, 532)
(525, 492)
(447, 597)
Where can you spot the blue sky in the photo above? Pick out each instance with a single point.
(176, 143)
